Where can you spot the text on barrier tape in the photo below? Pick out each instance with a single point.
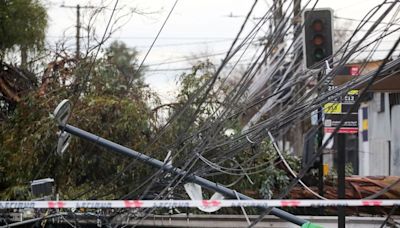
(192, 203)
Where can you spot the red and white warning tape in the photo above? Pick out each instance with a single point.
(192, 203)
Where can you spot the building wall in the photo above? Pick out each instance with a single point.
(375, 155)
(363, 143)
(395, 141)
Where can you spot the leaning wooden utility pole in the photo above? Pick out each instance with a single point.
(78, 25)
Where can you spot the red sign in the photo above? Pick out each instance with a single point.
(354, 70)
(342, 130)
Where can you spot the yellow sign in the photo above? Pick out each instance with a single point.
(365, 125)
(353, 92)
(333, 108)
(325, 169)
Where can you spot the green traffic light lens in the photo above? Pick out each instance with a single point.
(319, 54)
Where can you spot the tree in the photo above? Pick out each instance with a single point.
(124, 59)
(102, 106)
(22, 25)
(22, 28)
(198, 131)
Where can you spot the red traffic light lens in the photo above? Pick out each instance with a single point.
(318, 40)
(317, 25)
(319, 54)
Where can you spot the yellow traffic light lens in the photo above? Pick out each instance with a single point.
(318, 40)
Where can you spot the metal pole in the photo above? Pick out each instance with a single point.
(341, 163)
(320, 136)
(169, 168)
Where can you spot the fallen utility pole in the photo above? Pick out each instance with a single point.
(171, 169)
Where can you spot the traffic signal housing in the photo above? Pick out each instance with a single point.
(318, 36)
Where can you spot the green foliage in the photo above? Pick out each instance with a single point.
(332, 175)
(22, 23)
(106, 106)
(191, 98)
(276, 177)
(26, 138)
(112, 102)
(115, 74)
(265, 181)
(272, 177)
(124, 59)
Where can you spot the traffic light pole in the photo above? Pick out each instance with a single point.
(320, 136)
(341, 166)
(171, 169)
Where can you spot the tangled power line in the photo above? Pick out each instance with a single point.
(252, 91)
(274, 85)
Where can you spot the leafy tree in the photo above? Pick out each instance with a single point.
(22, 25)
(102, 105)
(124, 59)
(190, 98)
(193, 115)
(111, 100)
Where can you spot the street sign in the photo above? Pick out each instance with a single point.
(61, 115)
(42, 187)
(352, 70)
(64, 139)
(335, 111)
(62, 112)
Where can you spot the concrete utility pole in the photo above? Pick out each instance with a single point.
(78, 24)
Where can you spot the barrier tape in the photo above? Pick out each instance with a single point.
(192, 203)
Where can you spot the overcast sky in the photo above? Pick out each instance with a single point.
(196, 27)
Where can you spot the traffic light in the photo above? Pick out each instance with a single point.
(318, 41)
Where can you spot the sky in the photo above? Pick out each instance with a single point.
(195, 28)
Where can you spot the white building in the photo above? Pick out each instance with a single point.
(379, 135)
